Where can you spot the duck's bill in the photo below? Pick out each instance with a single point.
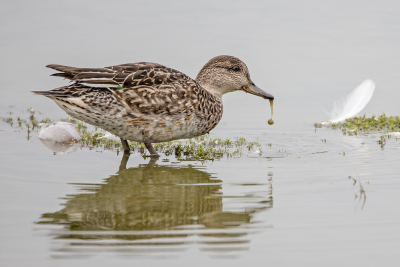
(253, 89)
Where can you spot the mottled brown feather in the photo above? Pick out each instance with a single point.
(151, 98)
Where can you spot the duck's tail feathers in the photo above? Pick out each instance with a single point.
(90, 76)
(50, 93)
(64, 75)
(73, 90)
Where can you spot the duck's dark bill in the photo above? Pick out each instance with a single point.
(253, 89)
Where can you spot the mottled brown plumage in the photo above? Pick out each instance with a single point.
(148, 102)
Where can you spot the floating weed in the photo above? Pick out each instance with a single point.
(382, 141)
(19, 121)
(46, 120)
(240, 141)
(250, 145)
(8, 120)
(363, 125)
(201, 148)
(354, 180)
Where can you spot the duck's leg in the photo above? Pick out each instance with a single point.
(124, 160)
(152, 162)
(125, 145)
(149, 147)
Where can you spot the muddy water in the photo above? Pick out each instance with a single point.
(292, 205)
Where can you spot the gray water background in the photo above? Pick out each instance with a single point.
(306, 53)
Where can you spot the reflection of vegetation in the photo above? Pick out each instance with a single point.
(200, 148)
(150, 197)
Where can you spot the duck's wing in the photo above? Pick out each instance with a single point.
(142, 88)
(125, 75)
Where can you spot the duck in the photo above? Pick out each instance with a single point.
(151, 103)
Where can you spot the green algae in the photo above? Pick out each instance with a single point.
(201, 148)
(363, 126)
(195, 149)
(366, 125)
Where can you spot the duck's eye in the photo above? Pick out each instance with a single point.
(235, 68)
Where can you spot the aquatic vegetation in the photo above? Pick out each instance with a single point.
(364, 125)
(200, 148)
(8, 120)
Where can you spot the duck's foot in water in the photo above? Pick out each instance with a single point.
(150, 148)
(124, 160)
(125, 145)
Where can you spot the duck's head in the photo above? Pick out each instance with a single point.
(224, 74)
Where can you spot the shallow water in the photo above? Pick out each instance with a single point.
(293, 205)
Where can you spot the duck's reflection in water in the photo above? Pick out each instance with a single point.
(157, 209)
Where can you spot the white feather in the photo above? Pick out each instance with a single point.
(60, 148)
(354, 103)
(62, 132)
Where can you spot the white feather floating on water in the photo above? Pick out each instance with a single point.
(59, 148)
(61, 132)
(354, 103)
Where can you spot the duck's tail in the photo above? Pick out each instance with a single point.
(103, 77)
(49, 93)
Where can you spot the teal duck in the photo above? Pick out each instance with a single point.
(148, 102)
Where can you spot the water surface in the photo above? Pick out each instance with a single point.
(293, 205)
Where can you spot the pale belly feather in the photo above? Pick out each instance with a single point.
(158, 128)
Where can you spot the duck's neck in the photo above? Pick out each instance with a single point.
(211, 89)
(216, 87)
